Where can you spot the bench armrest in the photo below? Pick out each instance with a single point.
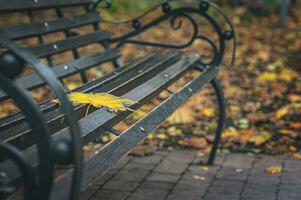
(176, 16)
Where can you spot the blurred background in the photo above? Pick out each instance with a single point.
(263, 88)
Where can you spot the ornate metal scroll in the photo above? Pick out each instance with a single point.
(176, 17)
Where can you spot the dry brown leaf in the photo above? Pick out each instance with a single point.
(183, 115)
(296, 155)
(196, 142)
(296, 125)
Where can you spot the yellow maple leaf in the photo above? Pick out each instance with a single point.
(101, 100)
(282, 112)
(267, 76)
(273, 170)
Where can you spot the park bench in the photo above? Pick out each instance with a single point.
(41, 145)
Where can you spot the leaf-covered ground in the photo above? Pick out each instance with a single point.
(263, 92)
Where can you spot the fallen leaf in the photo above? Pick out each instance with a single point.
(197, 177)
(207, 112)
(292, 148)
(205, 168)
(289, 132)
(267, 76)
(230, 132)
(261, 138)
(294, 97)
(280, 113)
(162, 136)
(195, 142)
(296, 125)
(287, 75)
(101, 100)
(296, 155)
(201, 154)
(174, 132)
(273, 170)
(243, 123)
(183, 115)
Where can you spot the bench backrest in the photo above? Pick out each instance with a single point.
(64, 34)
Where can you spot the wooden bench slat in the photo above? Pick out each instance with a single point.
(14, 5)
(48, 49)
(33, 81)
(20, 135)
(41, 28)
(95, 123)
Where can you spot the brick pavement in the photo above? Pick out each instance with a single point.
(175, 175)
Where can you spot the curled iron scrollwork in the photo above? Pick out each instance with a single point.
(176, 17)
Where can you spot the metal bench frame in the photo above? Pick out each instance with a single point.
(65, 146)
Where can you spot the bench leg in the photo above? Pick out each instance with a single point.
(221, 119)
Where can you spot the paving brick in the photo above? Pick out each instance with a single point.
(139, 167)
(265, 179)
(220, 158)
(174, 174)
(195, 178)
(169, 178)
(157, 185)
(148, 194)
(231, 173)
(183, 157)
(238, 161)
(290, 188)
(211, 196)
(291, 178)
(110, 194)
(261, 187)
(189, 188)
(258, 196)
(153, 159)
(293, 166)
(120, 185)
(228, 183)
(264, 161)
(131, 175)
(225, 190)
(289, 192)
(183, 196)
(170, 166)
(199, 170)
